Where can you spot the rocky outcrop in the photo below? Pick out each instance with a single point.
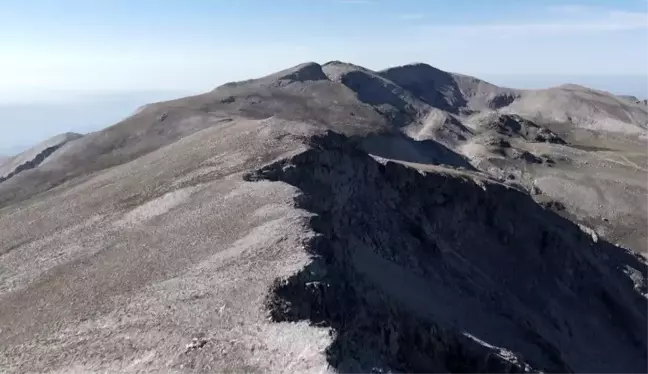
(515, 126)
(429, 272)
(34, 156)
(634, 99)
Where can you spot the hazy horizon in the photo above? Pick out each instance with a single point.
(85, 65)
(120, 45)
(51, 113)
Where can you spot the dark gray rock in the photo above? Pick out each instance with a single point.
(427, 273)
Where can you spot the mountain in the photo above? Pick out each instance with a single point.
(333, 218)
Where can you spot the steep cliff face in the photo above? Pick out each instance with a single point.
(435, 272)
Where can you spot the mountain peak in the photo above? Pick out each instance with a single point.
(308, 71)
(418, 67)
(416, 72)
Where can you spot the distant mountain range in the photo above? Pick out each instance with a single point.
(27, 120)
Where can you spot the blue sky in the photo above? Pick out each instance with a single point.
(65, 49)
(197, 44)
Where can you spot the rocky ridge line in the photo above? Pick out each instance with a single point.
(406, 290)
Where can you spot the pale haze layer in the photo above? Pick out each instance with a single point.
(76, 65)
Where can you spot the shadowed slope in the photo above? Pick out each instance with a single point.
(426, 273)
(454, 93)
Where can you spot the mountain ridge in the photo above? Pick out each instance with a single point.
(34, 156)
(360, 102)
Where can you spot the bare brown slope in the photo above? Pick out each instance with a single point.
(297, 93)
(303, 93)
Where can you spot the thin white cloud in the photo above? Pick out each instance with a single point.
(601, 22)
(569, 8)
(356, 1)
(411, 16)
(632, 18)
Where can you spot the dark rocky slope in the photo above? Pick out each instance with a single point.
(455, 93)
(431, 272)
(33, 157)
